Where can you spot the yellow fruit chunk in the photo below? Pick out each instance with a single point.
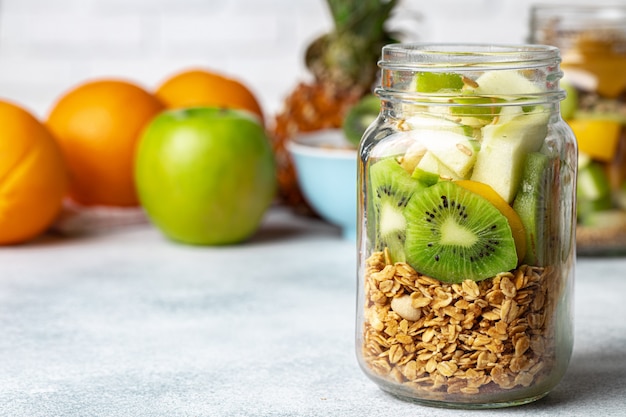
(597, 137)
(488, 193)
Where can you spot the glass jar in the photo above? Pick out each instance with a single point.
(592, 40)
(466, 226)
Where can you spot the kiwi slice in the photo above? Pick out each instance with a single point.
(454, 234)
(531, 205)
(359, 117)
(391, 189)
(425, 177)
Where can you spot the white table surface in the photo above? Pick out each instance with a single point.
(126, 323)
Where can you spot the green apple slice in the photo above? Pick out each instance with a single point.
(455, 151)
(412, 156)
(497, 87)
(450, 143)
(505, 84)
(504, 147)
(431, 164)
(431, 122)
(508, 113)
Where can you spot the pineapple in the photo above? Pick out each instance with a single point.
(343, 65)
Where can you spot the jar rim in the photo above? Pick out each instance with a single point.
(574, 18)
(477, 56)
(400, 61)
(606, 10)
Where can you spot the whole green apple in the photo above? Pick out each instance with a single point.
(204, 175)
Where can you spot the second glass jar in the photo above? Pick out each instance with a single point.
(466, 226)
(592, 41)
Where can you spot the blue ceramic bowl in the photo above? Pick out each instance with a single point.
(326, 169)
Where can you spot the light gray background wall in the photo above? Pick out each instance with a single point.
(48, 46)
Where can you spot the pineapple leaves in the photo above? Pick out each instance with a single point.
(347, 57)
(362, 17)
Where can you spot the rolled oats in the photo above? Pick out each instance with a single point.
(463, 339)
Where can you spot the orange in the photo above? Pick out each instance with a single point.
(33, 176)
(98, 124)
(199, 87)
(488, 193)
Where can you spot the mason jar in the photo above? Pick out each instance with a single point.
(466, 226)
(592, 40)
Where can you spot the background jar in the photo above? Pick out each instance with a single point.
(445, 318)
(592, 40)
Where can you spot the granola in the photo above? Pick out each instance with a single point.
(466, 339)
